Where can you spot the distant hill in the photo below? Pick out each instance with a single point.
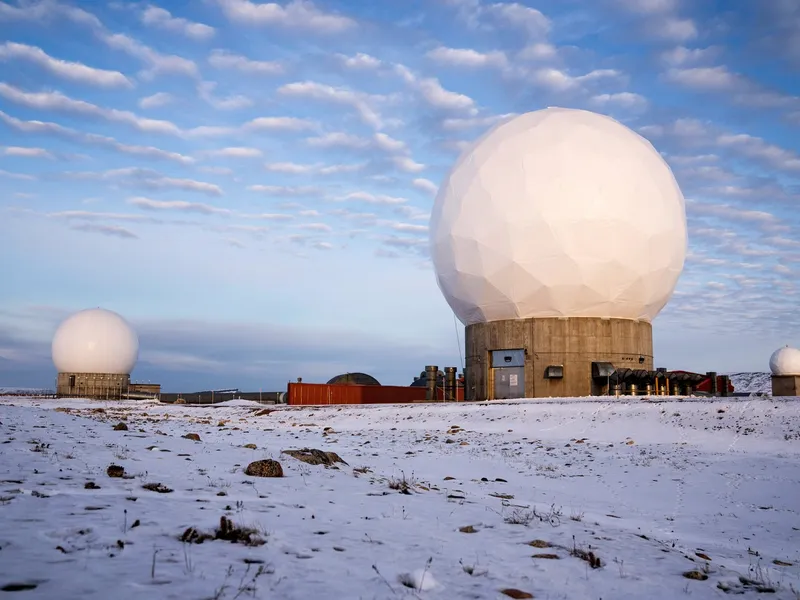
(22, 391)
(759, 383)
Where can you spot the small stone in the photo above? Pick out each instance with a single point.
(468, 529)
(697, 575)
(192, 436)
(250, 446)
(115, 471)
(515, 593)
(91, 485)
(264, 468)
(120, 427)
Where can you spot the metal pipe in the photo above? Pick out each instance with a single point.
(714, 384)
(450, 384)
(431, 375)
(726, 380)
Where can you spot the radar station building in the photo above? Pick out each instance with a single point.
(785, 366)
(94, 352)
(557, 238)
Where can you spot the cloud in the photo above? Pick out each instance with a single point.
(557, 80)
(321, 227)
(205, 90)
(235, 152)
(409, 227)
(358, 101)
(179, 205)
(698, 133)
(279, 190)
(162, 19)
(720, 79)
(148, 178)
(627, 100)
(407, 165)
(70, 71)
(506, 15)
(291, 168)
(279, 124)
(425, 185)
(85, 215)
(359, 61)
(757, 148)
(49, 10)
(223, 59)
(538, 51)
(297, 14)
(369, 198)
(339, 139)
(58, 102)
(661, 19)
(434, 95)
(462, 124)
(439, 98)
(19, 176)
(466, 57)
(378, 141)
(233, 242)
(46, 128)
(26, 152)
(110, 230)
(159, 64)
(156, 100)
(682, 56)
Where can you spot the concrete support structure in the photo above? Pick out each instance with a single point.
(552, 357)
(93, 385)
(786, 385)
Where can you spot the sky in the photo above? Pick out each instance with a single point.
(249, 184)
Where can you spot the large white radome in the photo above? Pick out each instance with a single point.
(95, 341)
(785, 361)
(558, 213)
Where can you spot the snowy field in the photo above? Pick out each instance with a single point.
(572, 500)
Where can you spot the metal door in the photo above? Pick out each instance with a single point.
(509, 382)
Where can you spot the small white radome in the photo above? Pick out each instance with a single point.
(558, 213)
(785, 361)
(95, 341)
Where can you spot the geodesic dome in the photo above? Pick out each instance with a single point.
(785, 361)
(558, 213)
(95, 341)
(353, 379)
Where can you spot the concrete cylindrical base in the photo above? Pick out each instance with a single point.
(786, 385)
(551, 357)
(92, 385)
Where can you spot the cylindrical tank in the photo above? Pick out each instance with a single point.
(431, 374)
(714, 384)
(450, 384)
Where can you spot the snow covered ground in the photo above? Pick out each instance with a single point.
(558, 499)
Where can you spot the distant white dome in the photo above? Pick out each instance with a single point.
(785, 361)
(95, 341)
(558, 213)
